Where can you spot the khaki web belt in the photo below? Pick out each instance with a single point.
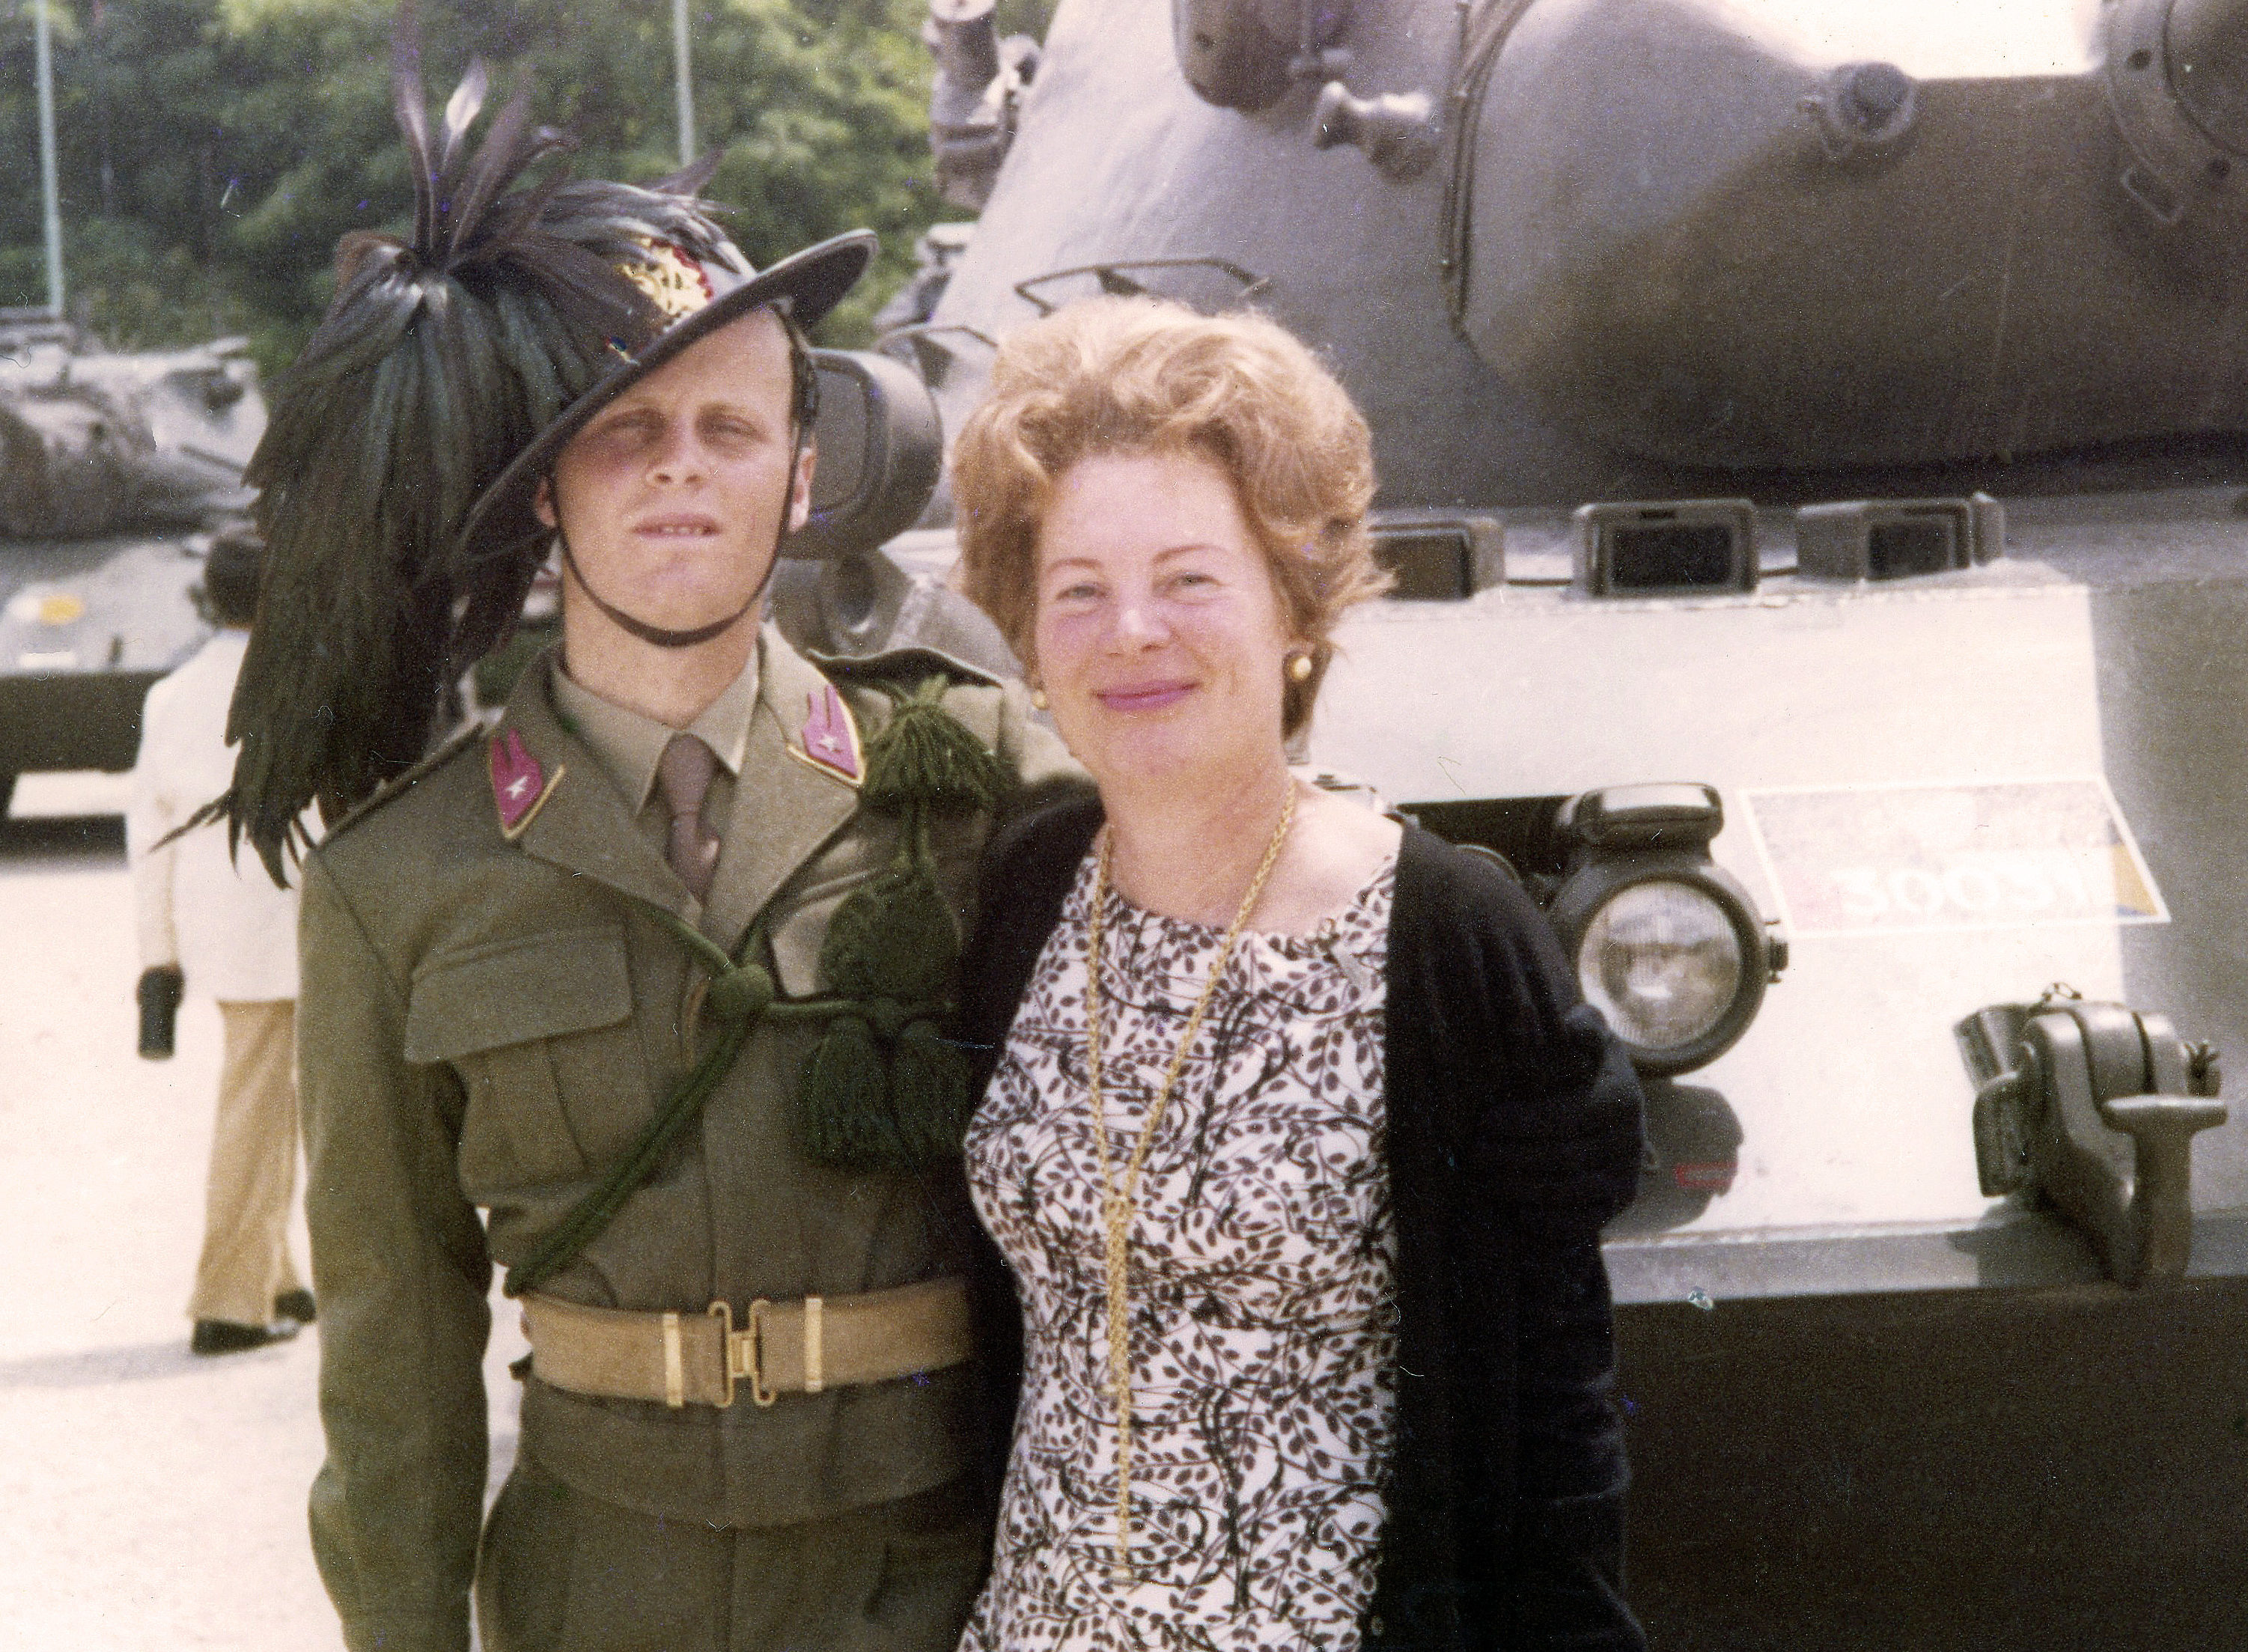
(784, 1348)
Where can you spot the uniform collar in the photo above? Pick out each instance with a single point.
(580, 822)
(628, 746)
(788, 808)
(785, 808)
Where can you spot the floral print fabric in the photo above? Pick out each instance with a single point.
(1263, 1333)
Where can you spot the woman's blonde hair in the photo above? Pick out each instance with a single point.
(1144, 376)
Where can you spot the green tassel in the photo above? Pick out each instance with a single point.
(881, 1093)
(894, 937)
(924, 756)
(857, 1111)
(929, 1095)
(843, 1102)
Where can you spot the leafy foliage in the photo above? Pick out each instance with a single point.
(212, 152)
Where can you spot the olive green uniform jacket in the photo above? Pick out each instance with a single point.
(487, 1022)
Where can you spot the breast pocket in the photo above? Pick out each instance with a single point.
(540, 1030)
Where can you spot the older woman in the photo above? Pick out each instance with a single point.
(1300, 1138)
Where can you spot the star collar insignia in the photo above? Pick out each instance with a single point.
(829, 739)
(520, 786)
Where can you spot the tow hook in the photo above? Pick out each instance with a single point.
(2092, 1108)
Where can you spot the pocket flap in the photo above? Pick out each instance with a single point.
(539, 987)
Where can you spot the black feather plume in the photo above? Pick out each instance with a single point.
(440, 359)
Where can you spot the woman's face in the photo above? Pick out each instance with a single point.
(1159, 637)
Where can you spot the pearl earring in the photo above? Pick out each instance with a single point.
(1299, 667)
(1038, 698)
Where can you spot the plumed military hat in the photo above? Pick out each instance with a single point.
(398, 469)
(694, 296)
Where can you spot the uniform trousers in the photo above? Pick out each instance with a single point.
(559, 1571)
(245, 1261)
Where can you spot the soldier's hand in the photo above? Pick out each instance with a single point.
(159, 993)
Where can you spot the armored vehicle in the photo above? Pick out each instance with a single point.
(115, 469)
(1811, 442)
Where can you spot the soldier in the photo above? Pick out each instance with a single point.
(650, 971)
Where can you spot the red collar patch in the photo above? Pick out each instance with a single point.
(829, 739)
(520, 787)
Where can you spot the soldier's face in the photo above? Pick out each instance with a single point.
(1159, 637)
(672, 496)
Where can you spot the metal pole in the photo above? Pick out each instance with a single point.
(44, 58)
(684, 73)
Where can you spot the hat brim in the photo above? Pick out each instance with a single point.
(812, 281)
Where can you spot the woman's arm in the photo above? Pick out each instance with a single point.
(1532, 1114)
(1564, 1560)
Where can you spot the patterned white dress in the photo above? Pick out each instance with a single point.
(1263, 1327)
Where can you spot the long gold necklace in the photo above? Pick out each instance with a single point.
(1117, 1201)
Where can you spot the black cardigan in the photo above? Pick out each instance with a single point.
(1514, 1135)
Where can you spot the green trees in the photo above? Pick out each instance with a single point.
(212, 151)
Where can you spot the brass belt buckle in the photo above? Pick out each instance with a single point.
(744, 1355)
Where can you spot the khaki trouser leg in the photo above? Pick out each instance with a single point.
(562, 1572)
(245, 1261)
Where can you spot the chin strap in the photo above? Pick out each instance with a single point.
(655, 634)
(658, 635)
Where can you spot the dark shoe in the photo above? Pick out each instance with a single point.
(224, 1336)
(295, 1305)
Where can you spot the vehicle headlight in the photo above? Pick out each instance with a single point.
(1666, 944)
(1662, 961)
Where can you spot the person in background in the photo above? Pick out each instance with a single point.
(1301, 1136)
(227, 931)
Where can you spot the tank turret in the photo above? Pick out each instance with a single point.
(1913, 235)
(1601, 247)
(94, 442)
(115, 469)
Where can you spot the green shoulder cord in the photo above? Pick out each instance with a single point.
(883, 1090)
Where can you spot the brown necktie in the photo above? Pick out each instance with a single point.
(683, 774)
